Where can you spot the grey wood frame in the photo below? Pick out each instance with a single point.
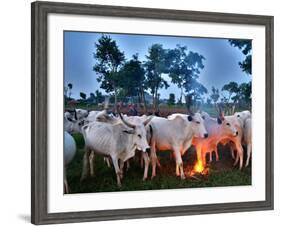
(39, 193)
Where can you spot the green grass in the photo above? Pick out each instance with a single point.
(221, 174)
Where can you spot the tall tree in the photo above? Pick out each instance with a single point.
(155, 66)
(232, 88)
(172, 99)
(246, 47)
(99, 97)
(215, 95)
(69, 86)
(109, 60)
(132, 79)
(184, 70)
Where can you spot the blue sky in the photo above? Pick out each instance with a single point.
(221, 64)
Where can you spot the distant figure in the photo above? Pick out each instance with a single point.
(132, 110)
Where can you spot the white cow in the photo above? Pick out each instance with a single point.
(218, 129)
(245, 122)
(81, 113)
(68, 154)
(247, 138)
(175, 133)
(71, 123)
(119, 141)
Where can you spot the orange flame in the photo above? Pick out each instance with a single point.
(199, 167)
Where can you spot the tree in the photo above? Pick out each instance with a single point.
(109, 60)
(99, 97)
(69, 86)
(215, 95)
(155, 66)
(184, 72)
(172, 99)
(83, 95)
(132, 79)
(208, 101)
(246, 92)
(246, 47)
(233, 89)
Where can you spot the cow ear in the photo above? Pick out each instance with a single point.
(219, 121)
(70, 119)
(129, 131)
(189, 118)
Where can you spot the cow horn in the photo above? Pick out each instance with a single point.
(220, 111)
(125, 122)
(75, 114)
(147, 120)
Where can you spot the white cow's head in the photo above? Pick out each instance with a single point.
(228, 127)
(197, 125)
(138, 132)
(81, 113)
(72, 123)
(242, 116)
(205, 115)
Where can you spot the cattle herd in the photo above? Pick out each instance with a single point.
(119, 137)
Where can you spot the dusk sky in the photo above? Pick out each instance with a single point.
(221, 63)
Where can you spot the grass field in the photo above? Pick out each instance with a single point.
(221, 173)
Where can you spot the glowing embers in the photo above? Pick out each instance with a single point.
(198, 170)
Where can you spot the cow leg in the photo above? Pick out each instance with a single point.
(91, 160)
(217, 154)
(249, 151)
(106, 159)
(232, 152)
(179, 163)
(117, 170)
(177, 170)
(158, 163)
(210, 156)
(85, 168)
(127, 164)
(153, 157)
(66, 187)
(121, 169)
(239, 155)
(146, 164)
(141, 161)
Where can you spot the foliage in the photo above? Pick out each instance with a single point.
(109, 59)
(155, 66)
(83, 95)
(246, 47)
(69, 89)
(172, 99)
(184, 71)
(215, 95)
(231, 88)
(132, 75)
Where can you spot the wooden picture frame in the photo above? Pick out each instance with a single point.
(39, 109)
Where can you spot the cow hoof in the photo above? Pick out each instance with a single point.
(183, 177)
(153, 177)
(144, 179)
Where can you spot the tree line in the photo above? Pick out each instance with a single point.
(133, 78)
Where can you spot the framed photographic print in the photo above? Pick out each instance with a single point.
(140, 112)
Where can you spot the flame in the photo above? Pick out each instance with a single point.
(199, 167)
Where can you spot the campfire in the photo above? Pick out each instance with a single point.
(199, 169)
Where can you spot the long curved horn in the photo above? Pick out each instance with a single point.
(147, 120)
(75, 114)
(125, 122)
